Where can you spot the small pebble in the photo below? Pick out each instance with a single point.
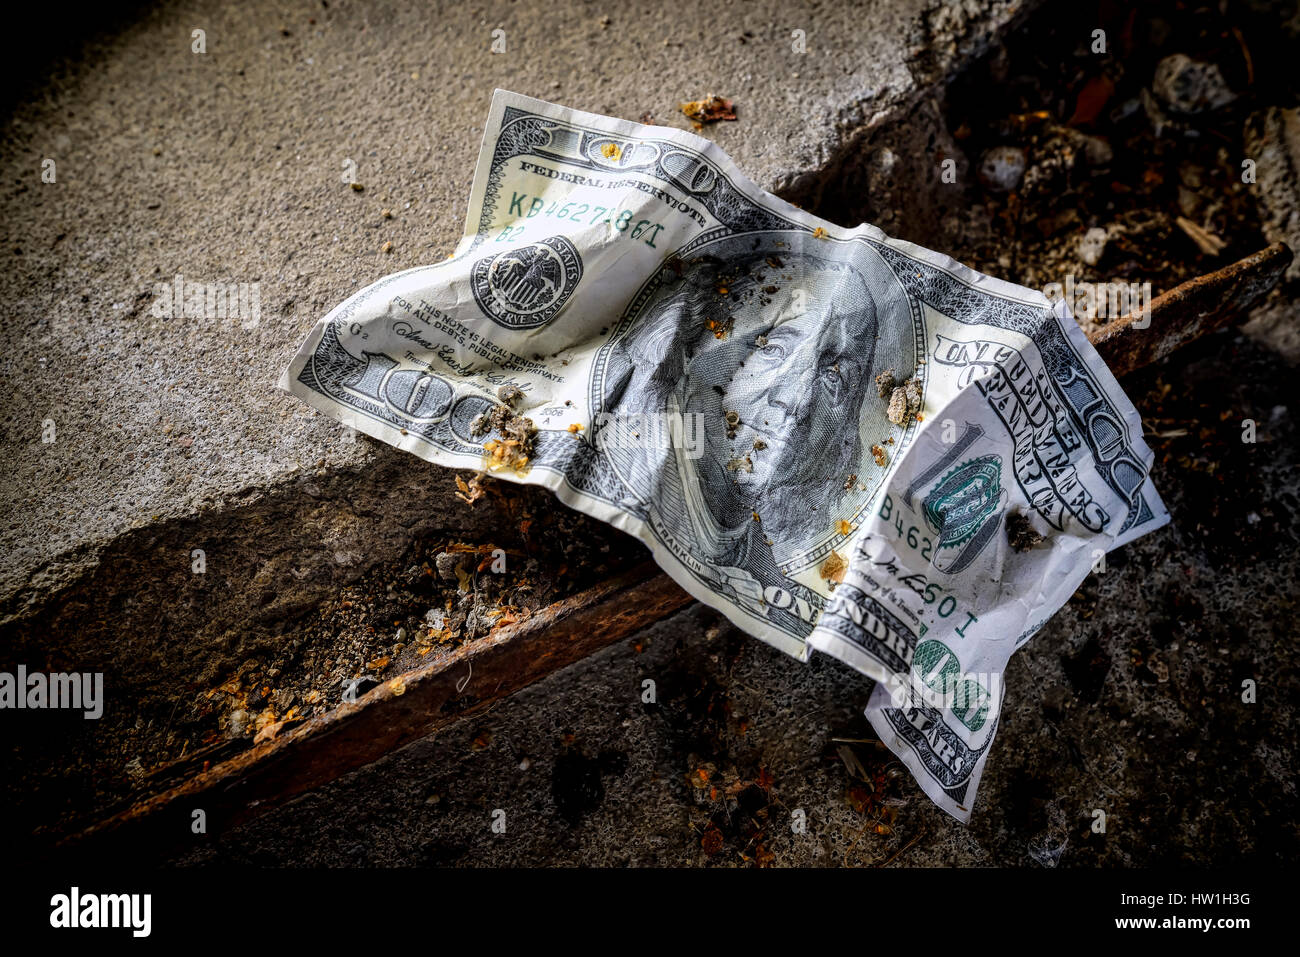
(1189, 86)
(1097, 151)
(1002, 167)
(1093, 245)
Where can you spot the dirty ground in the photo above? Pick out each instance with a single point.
(1144, 723)
(1121, 166)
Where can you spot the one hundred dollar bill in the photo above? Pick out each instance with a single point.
(843, 442)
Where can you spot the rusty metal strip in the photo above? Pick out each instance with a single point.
(399, 711)
(424, 700)
(1191, 310)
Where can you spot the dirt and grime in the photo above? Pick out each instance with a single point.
(512, 445)
(401, 614)
(1118, 167)
(1151, 724)
(1104, 174)
(407, 613)
(905, 402)
(1021, 534)
(1096, 151)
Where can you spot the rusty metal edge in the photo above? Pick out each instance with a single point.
(397, 712)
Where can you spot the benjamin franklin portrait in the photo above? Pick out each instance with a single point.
(774, 340)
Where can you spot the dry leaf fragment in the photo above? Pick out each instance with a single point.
(711, 109)
(1092, 100)
(471, 491)
(1205, 240)
(834, 567)
(268, 732)
(720, 330)
(269, 727)
(712, 841)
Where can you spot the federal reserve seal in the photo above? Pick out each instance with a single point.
(525, 288)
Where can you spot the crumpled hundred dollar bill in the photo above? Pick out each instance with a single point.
(844, 442)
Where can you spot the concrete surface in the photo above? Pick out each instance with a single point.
(227, 167)
(131, 439)
(169, 436)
